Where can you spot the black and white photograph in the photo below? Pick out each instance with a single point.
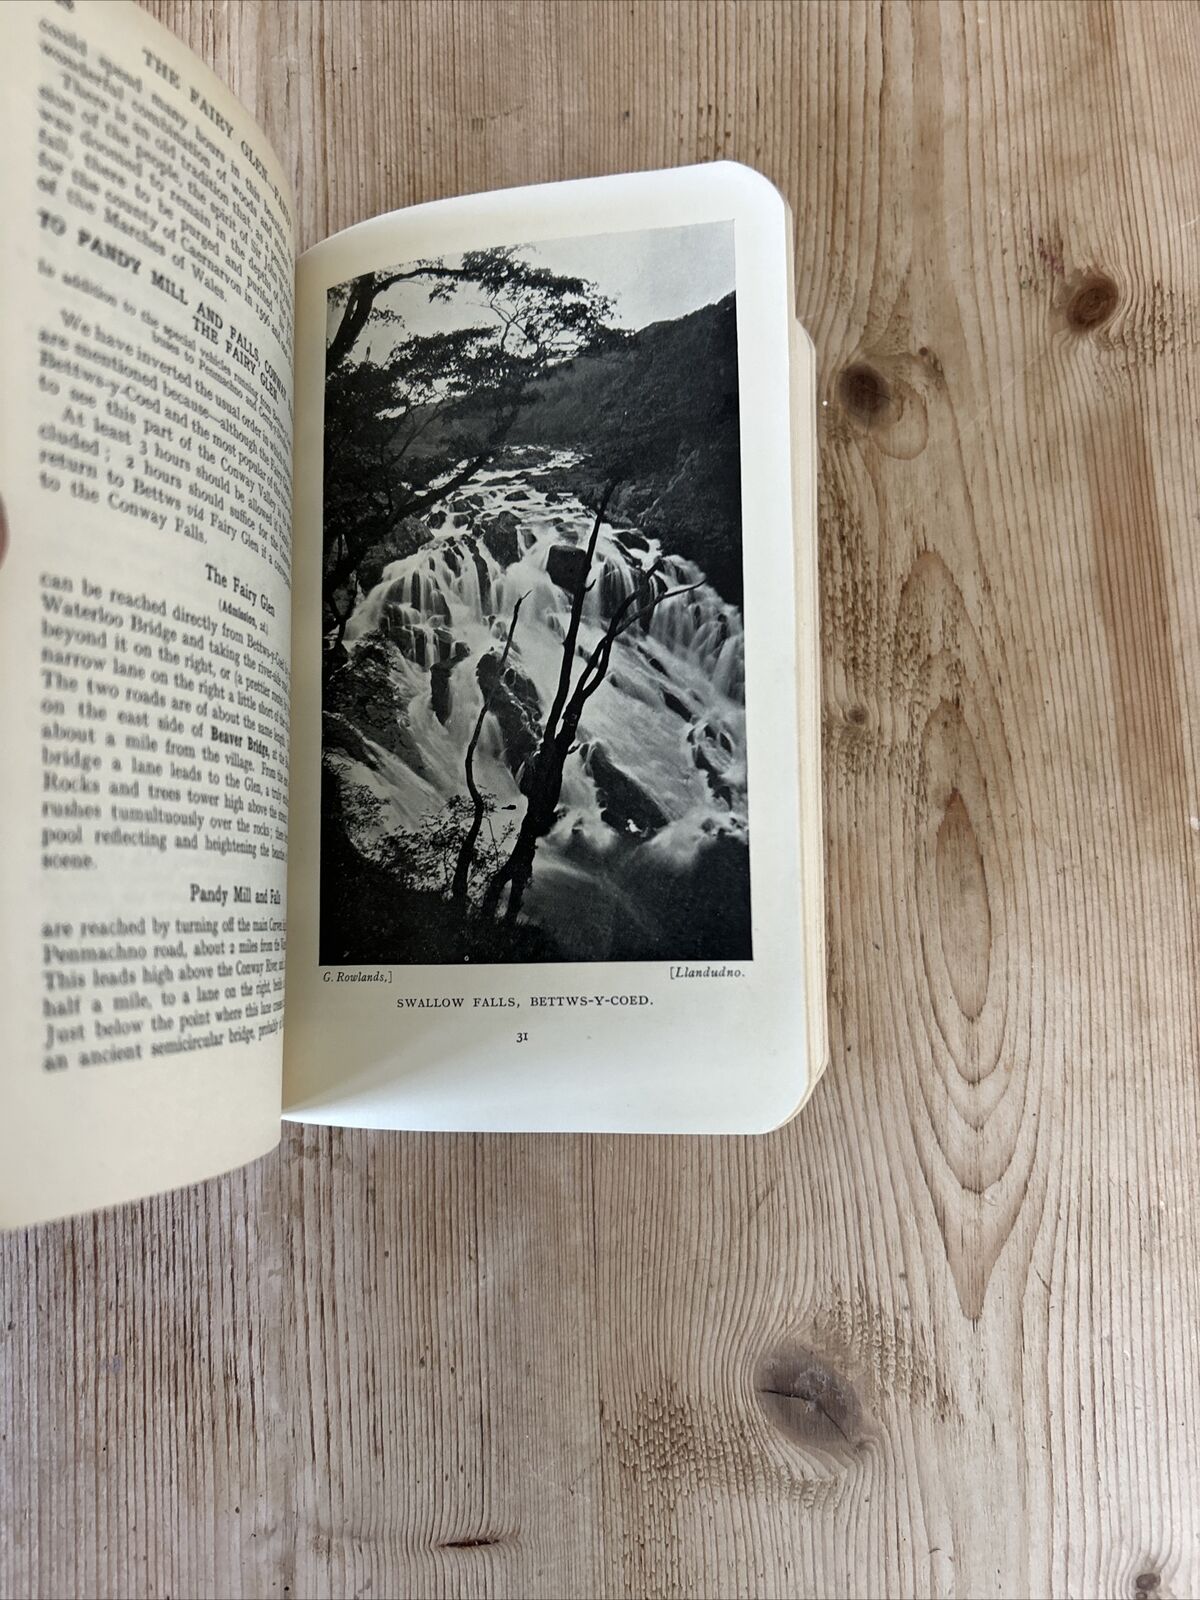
(533, 695)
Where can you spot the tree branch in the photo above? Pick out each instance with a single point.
(572, 633)
(466, 854)
(361, 302)
(616, 628)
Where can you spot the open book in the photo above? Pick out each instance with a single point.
(446, 596)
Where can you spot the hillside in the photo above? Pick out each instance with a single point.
(692, 504)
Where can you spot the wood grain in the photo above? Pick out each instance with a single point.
(939, 1337)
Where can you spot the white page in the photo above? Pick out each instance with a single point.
(144, 611)
(707, 1043)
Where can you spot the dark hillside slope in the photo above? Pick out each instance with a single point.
(694, 505)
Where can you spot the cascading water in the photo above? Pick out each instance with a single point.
(658, 770)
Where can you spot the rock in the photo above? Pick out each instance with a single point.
(334, 657)
(613, 590)
(339, 734)
(439, 688)
(517, 708)
(566, 566)
(499, 534)
(711, 754)
(436, 608)
(360, 702)
(485, 580)
(676, 705)
(405, 539)
(623, 801)
(409, 638)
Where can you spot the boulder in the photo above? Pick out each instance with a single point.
(360, 702)
(405, 539)
(436, 608)
(516, 706)
(499, 534)
(567, 566)
(624, 804)
(439, 689)
(485, 580)
(711, 753)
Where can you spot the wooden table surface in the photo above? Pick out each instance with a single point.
(939, 1337)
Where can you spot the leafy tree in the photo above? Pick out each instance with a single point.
(402, 433)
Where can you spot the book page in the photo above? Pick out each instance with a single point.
(147, 285)
(547, 813)
(808, 672)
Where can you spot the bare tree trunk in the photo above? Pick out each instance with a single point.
(545, 781)
(466, 853)
(562, 724)
(518, 869)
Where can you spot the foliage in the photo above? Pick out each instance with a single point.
(404, 431)
(360, 815)
(433, 848)
(372, 913)
(425, 857)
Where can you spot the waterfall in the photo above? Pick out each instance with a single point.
(659, 765)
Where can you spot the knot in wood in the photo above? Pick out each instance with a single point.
(1092, 303)
(809, 1400)
(864, 392)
